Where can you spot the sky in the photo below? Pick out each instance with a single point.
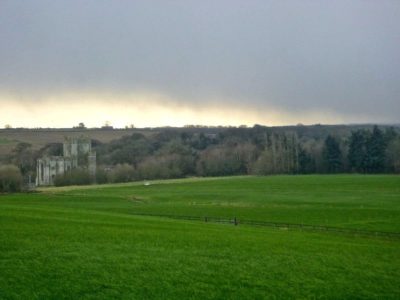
(210, 62)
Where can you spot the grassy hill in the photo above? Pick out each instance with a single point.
(90, 242)
(9, 138)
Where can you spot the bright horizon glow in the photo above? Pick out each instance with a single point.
(148, 109)
(176, 63)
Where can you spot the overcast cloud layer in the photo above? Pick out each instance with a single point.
(333, 61)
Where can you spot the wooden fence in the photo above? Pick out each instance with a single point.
(288, 226)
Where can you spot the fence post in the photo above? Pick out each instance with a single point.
(205, 219)
(235, 221)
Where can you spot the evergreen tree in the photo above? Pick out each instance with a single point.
(332, 155)
(376, 151)
(393, 156)
(306, 162)
(357, 155)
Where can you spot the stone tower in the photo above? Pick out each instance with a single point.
(77, 152)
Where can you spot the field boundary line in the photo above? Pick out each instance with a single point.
(278, 225)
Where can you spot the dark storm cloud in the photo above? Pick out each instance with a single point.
(339, 56)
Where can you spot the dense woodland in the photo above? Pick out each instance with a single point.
(183, 152)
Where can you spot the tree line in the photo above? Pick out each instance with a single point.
(257, 151)
(233, 151)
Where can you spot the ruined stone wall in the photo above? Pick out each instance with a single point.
(77, 152)
(92, 164)
(49, 167)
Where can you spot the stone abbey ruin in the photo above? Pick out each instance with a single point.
(77, 153)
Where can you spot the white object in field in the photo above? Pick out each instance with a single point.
(147, 183)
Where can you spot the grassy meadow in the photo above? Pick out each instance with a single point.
(90, 242)
(9, 138)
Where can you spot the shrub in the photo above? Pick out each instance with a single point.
(122, 173)
(101, 175)
(219, 161)
(10, 179)
(73, 177)
(162, 167)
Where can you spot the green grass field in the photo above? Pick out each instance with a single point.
(89, 242)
